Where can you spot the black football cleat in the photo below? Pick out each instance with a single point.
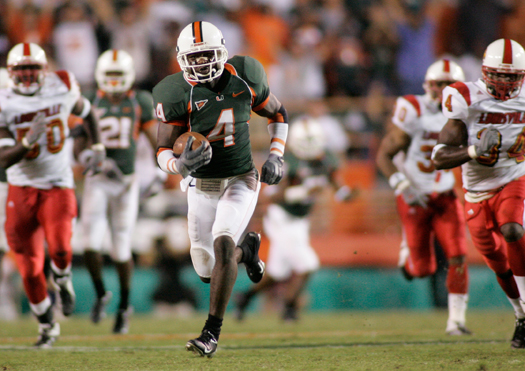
(204, 345)
(518, 339)
(254, 267)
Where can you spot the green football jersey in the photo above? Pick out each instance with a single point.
(120, 124)
(298, 171)
(222, 116)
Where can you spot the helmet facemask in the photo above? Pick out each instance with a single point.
(503, 85)
(201, 52)
(115, 72)
(27, 77)
(434, 88)
(203, 66)
(439, 75)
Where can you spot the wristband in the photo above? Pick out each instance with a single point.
(26, 143)
(98, 147)
(395, 179)
(472, 151)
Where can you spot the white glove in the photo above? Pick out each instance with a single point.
(413, 196)
(111, 170)
(489, 138)
(402, 186)
(38, 127)
(93, 159)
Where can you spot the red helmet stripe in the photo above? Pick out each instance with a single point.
(115, 55)
(197, 32)
(27, 50)
(446, 66)
(507, 52)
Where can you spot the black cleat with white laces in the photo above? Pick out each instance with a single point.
(518, 339)
(48, 334)
(204, 345)
(64, 285)
(254, 266)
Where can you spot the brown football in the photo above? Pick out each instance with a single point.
(180, 143)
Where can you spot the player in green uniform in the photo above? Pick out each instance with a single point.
(112, 197)
(214, 95)
(309, 169)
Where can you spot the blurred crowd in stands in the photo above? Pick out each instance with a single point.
(311, 49)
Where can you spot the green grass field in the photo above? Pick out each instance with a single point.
(376, 340)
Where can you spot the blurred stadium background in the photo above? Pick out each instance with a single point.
(341, 61)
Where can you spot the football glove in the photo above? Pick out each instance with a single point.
(413, 196)
(489, 138)
(272, 169)
(93, 159)
(38, 126)
(190, 160)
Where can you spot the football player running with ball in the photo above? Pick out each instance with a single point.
(111, 197)
(41, 202)
(426, 201)
(485, 134)
(214, 96)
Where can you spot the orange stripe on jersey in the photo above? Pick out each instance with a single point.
(64, 76)
(507, 52)
(463, 90)
(181, 123)
(228, 67)
(260, 106)
(115, 55)
(413, 100)
(27, 50)
(189, 107)
(197, 32)
(146, 125)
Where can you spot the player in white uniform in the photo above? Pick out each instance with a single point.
(309, 168)
(111, 198)
(485, 133)
(426, 201)
(41, 202)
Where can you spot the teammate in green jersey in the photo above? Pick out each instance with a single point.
(214, 95)
(309, 169)
(112, 197)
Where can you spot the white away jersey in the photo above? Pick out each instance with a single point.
(471, 103)
(421, 118)
(48, 164)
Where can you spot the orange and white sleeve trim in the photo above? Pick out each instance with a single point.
(167, 160)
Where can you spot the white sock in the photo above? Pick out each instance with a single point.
(61, 272)
(520, 282)
(42, 307)
(457, 308)
(518, 309)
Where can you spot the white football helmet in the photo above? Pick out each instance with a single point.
(503, 68)
(306, 138)
(27, 68)
(439, 75)
(115, 71)
(201, 52)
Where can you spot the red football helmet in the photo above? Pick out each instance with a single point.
(27, 66)
(503, 69)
